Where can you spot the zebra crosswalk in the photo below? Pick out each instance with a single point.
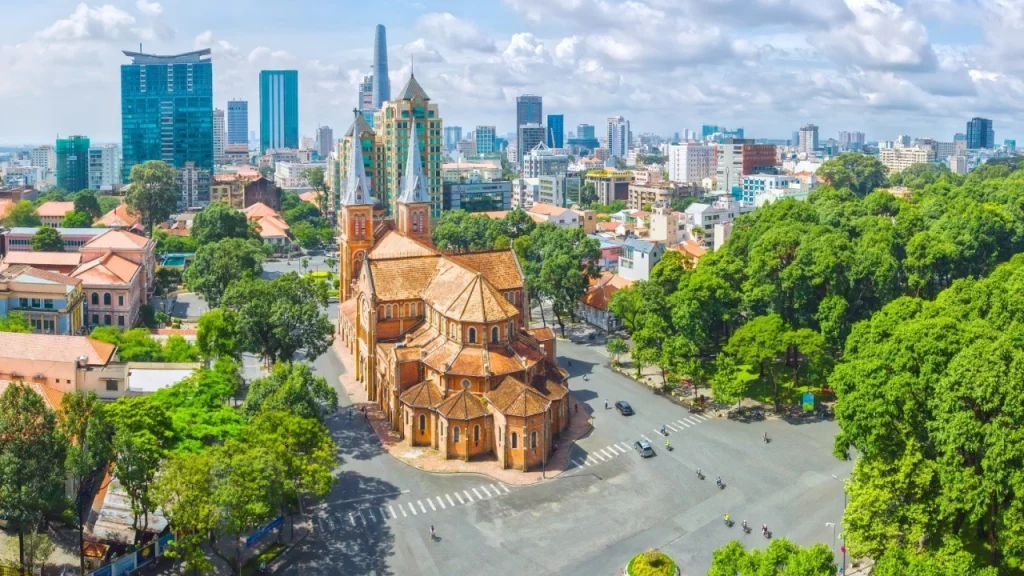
(594, 457)
(371, 512)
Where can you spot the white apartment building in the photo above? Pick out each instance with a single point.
(220, 136)
(525, 192)
(760, 189)
(899, 159)
(105, 167)
(638, 258)
(708, 217)
(543, 161)
(293, 174)
(21, 175)
(45, 157)
(560, 190)
(959, 164)
(619, 136)
(459, 171)
(808, 139)
(689, 163)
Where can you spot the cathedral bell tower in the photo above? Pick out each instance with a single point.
(356, 218)
(414, 203)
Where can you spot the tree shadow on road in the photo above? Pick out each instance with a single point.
(353, 436)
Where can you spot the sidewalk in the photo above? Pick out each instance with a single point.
(429, 460)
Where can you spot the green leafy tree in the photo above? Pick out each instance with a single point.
(217, 335)
(177, 349)
(781, 558)
(85, 201)
(307, 235)
(47, 239)
(21, 214)
(137, 458)
(461, 231)
(152, 192)
(616, 347)
(293, 388)
(15, 322)
(184, 491)
(760, 344)
(198, 413)
(222, 263)
(217, 222)
(32, 456)
(171, 244)
(108, 203)
(315, 179)
(861, 173)
(83, 420)
(588, 194)
(280, 317)
(136, 345)
(77, 219)
(949, 560)
(247, 491)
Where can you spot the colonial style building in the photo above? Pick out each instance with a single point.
(440, 341)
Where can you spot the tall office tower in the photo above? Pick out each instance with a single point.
(365, 99)
(707, 130)
(452, 136)
(324, 141)
(585, 131)
(556, 131)
(45, 157)
(529, 136)
(220, 136)
(619, 136)
(238, 121)
(372, 153)
(381, 83)
(980, 134)
(529, 110)
(105, 167)
(486, 136)
(167, 111)
(689, 162)
(73, 163)
(411, 109)
(279, 109)
(808, 138)
(959, 137)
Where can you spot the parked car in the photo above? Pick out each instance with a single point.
(624, 408)
(643, 447)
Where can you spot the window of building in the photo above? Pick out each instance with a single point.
(23, 302)
(48, 304)
(111, 385)
(476, 434)
(387, 311)
(533, 439)
(120, 321)
(455, 434)
(120, 300)
(423, 423)
(472, 335)
(106, 319)
(95, 319)
(106, 299)
(494, 333)
(35, 303)
(515, 440)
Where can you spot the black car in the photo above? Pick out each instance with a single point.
(624, 408)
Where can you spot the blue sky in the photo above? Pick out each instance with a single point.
(918, 67)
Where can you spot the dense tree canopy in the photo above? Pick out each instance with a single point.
(461, 231)
(85, 201)
(77, 219)
(221, 264)
(47, 239)
(152, 192)
(292, 387)
(781, 558)
(861, 173)
(217, 222)
(21, 214)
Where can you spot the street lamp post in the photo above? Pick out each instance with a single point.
(845, 497)
(832, 525)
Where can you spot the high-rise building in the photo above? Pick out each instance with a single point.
(707, 130)
(959, 137)
(851, 140)
(485, 138)
(901, 158)
(808, 139)
(279, 109)
(466, 147)
(980, 134)
(167, 111)
(365, 99)
(381, 82)
(529, 110)
(585, 131)
(193, 186)
(45, 157)
(556, 131)
(220, 136)
(238, 121)
(1010, 145)
(452, 136)
(529, 136)
(324, 141)
(542, 161)
(73, 163)
(737, 158)
(411, 110)
(619, 136)
(958, 164)
(689, 162)
(105, 167)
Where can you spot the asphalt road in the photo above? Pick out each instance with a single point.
(590, 520)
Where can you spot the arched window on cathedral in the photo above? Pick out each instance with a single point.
(515, 440)
(472, 335)
(387, 311)
(533, 439)
(494, 333)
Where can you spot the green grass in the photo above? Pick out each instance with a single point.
(651, 563)
(272, 551)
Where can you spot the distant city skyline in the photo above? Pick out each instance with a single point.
(874, 66)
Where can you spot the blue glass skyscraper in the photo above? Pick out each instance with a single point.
(556, 131)
(279, 109)
(167, 110)
(980, 134)
(238, 122)
(381, 83)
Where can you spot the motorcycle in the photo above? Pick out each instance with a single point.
(728, 523)
(746, 529)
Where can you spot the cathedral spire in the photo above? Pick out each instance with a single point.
(357, 191)
(414, 183)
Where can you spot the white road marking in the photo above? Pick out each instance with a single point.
(624, 446)
(682, 423)
(505, 487)
(441, 502)
(671, 427)
(384, 513)
(372, 497)
(422, 507)
(478, 496)
(320, 523)
(597, 456)
(588, 462)
(361, 519)
(468, 497)
(496, 491)
(690, 421)
(450, 501)
(611, 453)
(370, 512)
(404, 515)
(330, 522)
(461, 501)
(412, 509)
(431, 502)
(486, 491)
(351, 519)
(701, 417)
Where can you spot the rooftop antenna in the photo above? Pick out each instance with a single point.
(412, 65)
(140, 47)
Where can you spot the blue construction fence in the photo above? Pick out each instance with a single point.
(138, 559)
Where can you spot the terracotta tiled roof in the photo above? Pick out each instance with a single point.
(503, 360)
(547, 209)
(119, 217)
(259, 210)
(55, 209)
(117, 239)
(440, 358)
(48, 347)
(348, 310)
(394, 245)
(423, 395)
(464, 295)
(42, 260)
(401, 279)
(600, 292)
(108, 269)
(15, 273)
(607, 226)
(513, 398)
(51, 396)
(499, 267)
(469, 362)
(543, 334)
(497, 214)
(551, 389)
(272, 227)
(527, 352)
(691, 248)
(311, 197)
(462, 406)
